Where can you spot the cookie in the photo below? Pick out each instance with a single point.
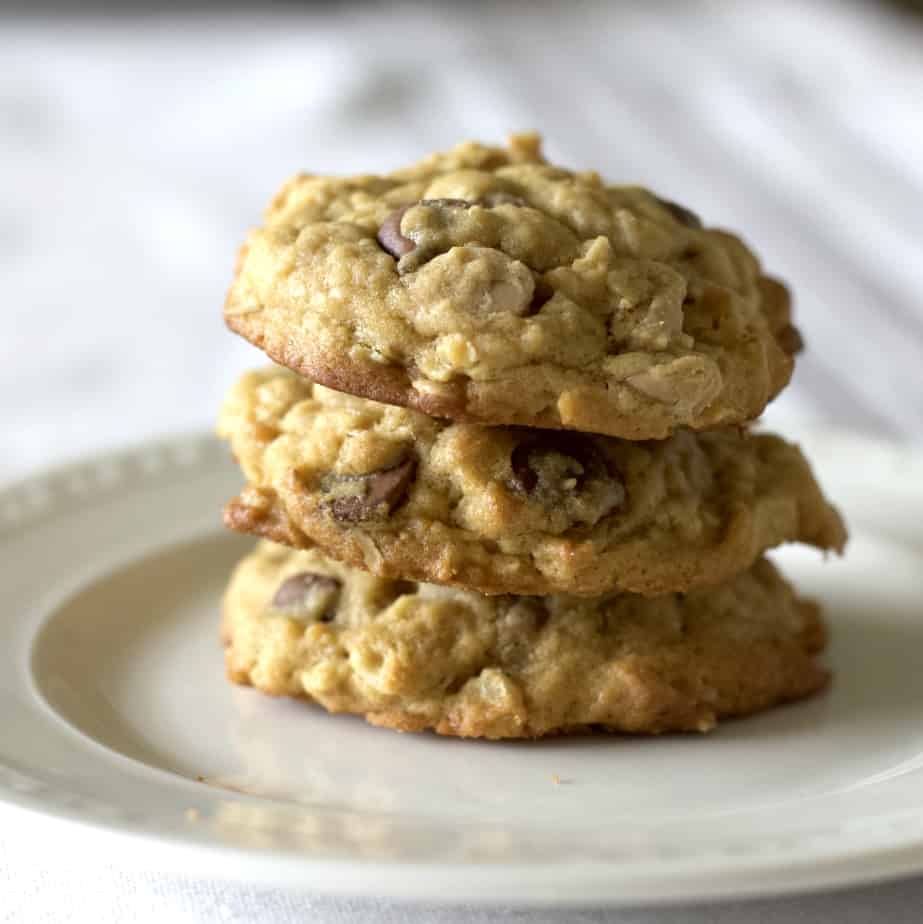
(510, 510)
(419, 656)
(484, 284)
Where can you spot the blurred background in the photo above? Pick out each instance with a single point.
(139, 142)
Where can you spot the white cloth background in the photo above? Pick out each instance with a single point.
(136, 149)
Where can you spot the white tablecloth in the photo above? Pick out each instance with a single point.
(136, 150)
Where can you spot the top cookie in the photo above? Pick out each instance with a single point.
(484, 284)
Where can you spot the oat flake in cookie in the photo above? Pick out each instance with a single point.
(417, 656)
(506, 509)
(484, 284)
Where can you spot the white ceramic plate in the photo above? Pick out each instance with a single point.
(118, 724)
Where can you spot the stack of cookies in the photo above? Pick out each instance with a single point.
(502, 471)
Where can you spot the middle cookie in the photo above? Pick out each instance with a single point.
(510, 510)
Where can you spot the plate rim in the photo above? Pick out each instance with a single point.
(592, 883)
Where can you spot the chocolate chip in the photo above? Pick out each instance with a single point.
(527, 458)
(789, 338)
(553, 465)
(390, 237)
(683, 215)
(524, 478)
(307, 594)
(375, 495)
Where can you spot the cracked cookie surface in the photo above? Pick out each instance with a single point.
(419, 656)
(509, 510)
(484, 284)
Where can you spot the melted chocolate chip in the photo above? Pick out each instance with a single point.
(374, 495)
(390, 237)
(524, 479)
(683, 215)
(555, 464)
(789, 339)
(306, 592)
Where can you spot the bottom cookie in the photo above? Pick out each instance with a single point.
(419, 656)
